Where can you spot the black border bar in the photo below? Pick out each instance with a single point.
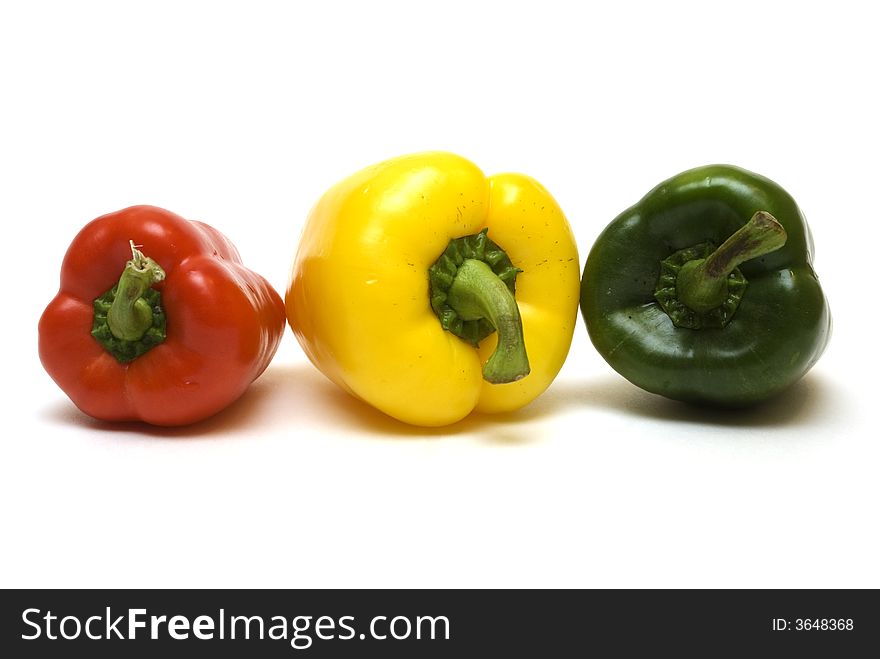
(440, 623)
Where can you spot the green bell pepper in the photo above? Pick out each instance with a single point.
(704, 291)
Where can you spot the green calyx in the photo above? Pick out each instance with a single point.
(682, 315)
(472, 287)
(129, 319)
(702, 287)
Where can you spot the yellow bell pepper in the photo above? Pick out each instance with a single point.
(398, 251)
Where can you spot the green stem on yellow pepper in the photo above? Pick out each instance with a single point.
(477, 292)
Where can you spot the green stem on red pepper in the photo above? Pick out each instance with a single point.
(129, 319)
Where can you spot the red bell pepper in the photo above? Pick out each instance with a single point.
(177, 337)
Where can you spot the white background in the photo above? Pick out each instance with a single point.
(242, 114)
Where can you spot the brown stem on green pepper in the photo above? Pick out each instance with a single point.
(702, 283)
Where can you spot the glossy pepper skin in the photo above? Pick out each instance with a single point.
(360, 303)
(773, 338)
(223, 322)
